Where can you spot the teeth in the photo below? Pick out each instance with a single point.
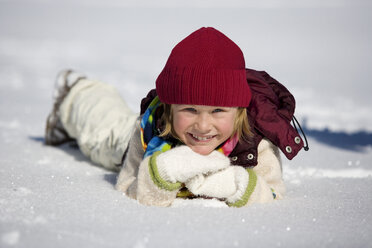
(201, 138)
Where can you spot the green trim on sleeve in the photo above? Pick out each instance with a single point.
(156, 178)
(248, 192)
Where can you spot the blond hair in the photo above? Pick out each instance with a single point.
(241, 123)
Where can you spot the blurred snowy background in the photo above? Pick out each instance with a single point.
(320, 50)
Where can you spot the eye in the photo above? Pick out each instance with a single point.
(218, 110)
(191, 110)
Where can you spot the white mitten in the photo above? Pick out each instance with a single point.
(181, 163)
(229, 184)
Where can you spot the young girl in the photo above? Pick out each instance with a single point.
(211, 129)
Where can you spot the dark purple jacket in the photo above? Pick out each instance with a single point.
(270, 113)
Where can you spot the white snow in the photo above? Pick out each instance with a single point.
(325, 173)
(55, 197)
(10, 238)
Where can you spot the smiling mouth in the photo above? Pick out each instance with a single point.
(203, 138)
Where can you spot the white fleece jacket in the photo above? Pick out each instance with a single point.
(139, 179)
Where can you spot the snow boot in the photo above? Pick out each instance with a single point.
(55, 134)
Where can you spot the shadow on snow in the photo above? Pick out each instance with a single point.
(357, 141)
(72, 149)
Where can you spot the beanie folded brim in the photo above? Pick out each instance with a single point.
(204, 86)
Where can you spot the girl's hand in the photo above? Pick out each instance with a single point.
(228, 184)
(181, 163)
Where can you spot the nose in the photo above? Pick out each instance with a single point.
(203, 123)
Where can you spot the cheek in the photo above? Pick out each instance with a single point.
(180, 124)
(227, 126)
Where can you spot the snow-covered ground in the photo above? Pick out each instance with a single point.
(54, 197)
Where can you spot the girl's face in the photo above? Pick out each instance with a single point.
(203, 128)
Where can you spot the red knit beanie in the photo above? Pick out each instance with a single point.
(206, 68)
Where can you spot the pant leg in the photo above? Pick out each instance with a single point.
(98, 118)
